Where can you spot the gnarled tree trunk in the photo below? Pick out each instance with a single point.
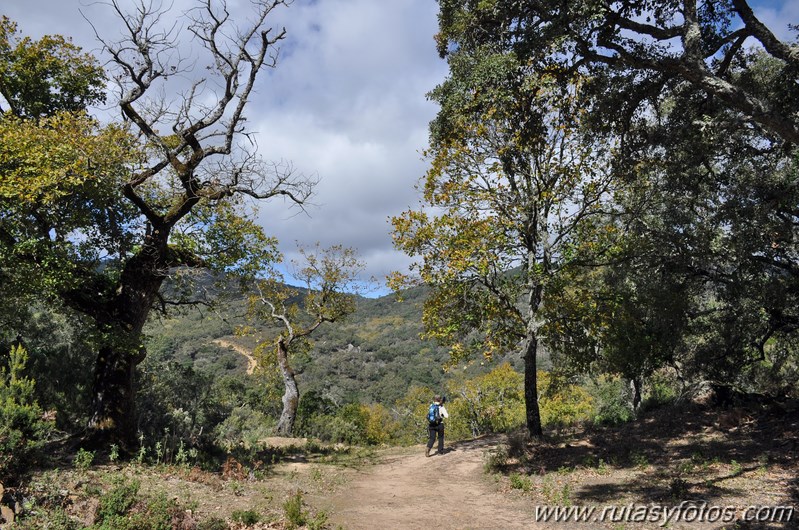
(291, 396)
(113, 415)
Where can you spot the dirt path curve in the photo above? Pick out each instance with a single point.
(448, 491)
(251, 362)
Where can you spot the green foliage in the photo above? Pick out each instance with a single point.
(348, 425)
(292, 508)
(493, 402)
(354, 424)
(411, 415)
(213, 523)
(117, 502)
(243, 426)
(661, 389)
(83, 459)
(60, 350)
(495, 460)
(613, 401)
(23, 430)
(122, 508)
(554, 494)
(159, 514)
(247, 517)
(113, 454)
(520, 482)
(196, 407)
(38, 78)
(380, 427)
(56, 519)
(297, 516)
(563, 404)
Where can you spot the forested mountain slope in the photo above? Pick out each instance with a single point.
(374, 355)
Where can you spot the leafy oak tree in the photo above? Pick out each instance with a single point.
(329, 280)
(634, 51)
(60, 173)
(41, 78)
(699, 98)
(174, 200)
(512, 182)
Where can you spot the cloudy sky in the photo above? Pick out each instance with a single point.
(346, 103)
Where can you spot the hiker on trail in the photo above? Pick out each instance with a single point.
(435, 424)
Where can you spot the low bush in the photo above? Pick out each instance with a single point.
(612, 401)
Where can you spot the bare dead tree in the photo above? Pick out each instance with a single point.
(196, 152)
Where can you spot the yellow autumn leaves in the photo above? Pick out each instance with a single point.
(46, 159)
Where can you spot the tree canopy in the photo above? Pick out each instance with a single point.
(149, 199)
(662, 228)
(512, 183)
(329, 280)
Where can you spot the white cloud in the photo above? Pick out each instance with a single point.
(347, 102)
(777, 15)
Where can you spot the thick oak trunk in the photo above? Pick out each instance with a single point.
(291, 396)
(113, 396)
(113, 416)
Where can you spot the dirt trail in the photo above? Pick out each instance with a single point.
(448, 491)
(251, 362)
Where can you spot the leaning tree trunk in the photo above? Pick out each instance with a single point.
(636, 384)
(291, 397)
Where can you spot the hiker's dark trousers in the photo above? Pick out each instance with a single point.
(431, 431)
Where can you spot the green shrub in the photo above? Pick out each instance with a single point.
(612, 403)
(520, 482)
(380, 427)
(563, 404)
(410, 411)
(122, 509)
(213, 523)
(662, 389)
(118, 500)
(295, 515)
(83, 459)
(244, 426)
(22, 427)
(56, 519)
(353, 424)
(247, 517)
(496, 459)
(159, 513)
(493, 402)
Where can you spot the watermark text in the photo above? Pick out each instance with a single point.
(685, 512)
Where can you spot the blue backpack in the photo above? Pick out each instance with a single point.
(433, 414)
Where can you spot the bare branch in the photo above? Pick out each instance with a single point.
(773, 45)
